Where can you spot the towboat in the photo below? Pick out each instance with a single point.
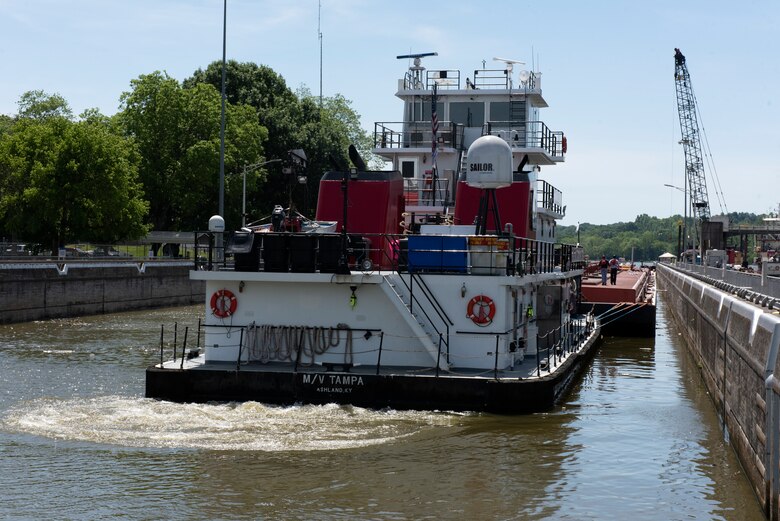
(442, 286)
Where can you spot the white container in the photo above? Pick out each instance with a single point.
(489, 163)
(488, 255)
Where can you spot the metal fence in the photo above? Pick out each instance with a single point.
(734, 281)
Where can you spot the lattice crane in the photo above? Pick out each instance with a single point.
(691, 140)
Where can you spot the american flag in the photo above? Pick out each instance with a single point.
(434, 127)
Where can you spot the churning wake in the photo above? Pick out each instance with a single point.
(251, 426)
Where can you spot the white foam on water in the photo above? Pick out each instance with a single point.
(251, 426)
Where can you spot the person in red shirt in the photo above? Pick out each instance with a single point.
(614, 266)
(603, 266)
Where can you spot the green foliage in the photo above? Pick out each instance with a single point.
(648, 236)
(36, 104)
(293, 120)
(176, 130)
(6, 123)
(62, 181)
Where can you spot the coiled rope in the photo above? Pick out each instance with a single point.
(266, 343)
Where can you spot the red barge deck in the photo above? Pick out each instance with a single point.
(626, 308)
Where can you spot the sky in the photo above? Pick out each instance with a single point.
(607, 69)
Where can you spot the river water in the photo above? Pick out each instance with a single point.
(637, 438)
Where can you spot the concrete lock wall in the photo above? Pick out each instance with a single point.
(735, 344)
(35, 292)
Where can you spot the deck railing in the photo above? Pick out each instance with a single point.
(554, 345)
(548, 197)
(292, 344)
(530, 134)
(418, 134)
(483, 79)
(473, 254)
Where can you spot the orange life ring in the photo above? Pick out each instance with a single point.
(223, 303)
(481, 310)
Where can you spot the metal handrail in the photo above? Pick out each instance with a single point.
(527, 134)
(524, 256)
(445, 79)
(434, 304)
(417, 134)
(549, 197)
(564, 338)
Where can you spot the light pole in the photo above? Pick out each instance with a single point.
(685, 216)
(247, 169)
(222, 116)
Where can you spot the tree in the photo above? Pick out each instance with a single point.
(6, 123)
(276, 108)
(648, 236)
(36, 104)
(176, 130)
(294, 120)
(62, 181)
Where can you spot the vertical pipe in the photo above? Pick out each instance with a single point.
(379, 356)
(298, 351)
(548, 353)
(538, 367)
(211, 252)
(240, 345)
(184, 345)
(495, 367)
(411, 292)
(198, 341)
(196, 266)
(175, 341)
(162, 331)
(438, 356)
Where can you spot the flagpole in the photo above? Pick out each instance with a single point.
(434, 144)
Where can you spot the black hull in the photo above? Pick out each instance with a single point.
(630, 320)
(397, 391)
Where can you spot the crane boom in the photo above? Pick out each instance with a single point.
(691, 140)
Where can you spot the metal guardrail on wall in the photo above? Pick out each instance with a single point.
(735, 281)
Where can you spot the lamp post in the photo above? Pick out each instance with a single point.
(247, 169)
(685, 217)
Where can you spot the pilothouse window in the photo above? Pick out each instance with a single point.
(422, 110)
(504, 111)
(469, 114)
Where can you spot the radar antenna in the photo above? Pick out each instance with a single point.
(509, 66)
(508, 61)
(417, 56)
(415, 71)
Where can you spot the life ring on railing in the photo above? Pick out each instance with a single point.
(223, 303)
(481, 310)
(564, 144)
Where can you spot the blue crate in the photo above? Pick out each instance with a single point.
(437, 253)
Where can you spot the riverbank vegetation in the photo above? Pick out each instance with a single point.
(647, 237)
